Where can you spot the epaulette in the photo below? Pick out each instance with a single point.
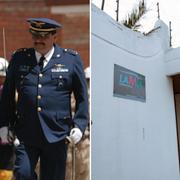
(71, 51)
(20, 50)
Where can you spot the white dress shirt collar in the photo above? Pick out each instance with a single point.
(47, 56)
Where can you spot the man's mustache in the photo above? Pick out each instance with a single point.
(39, 43)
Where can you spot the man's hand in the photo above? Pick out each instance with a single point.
(5, 135)
(75, 135)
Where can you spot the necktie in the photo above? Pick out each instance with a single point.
(41, 62)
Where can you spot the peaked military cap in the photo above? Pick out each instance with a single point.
(43, 26)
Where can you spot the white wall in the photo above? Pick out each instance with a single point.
(131, 140)
(172, 61)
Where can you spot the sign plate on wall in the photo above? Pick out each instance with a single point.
(129, 84)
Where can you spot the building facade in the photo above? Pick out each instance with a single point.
(135, 113)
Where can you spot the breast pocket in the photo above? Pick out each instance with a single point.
(20, 78)
(61, 80)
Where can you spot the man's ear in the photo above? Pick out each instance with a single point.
(55, 37)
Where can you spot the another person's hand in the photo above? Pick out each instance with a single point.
(75, 135)
(6, 136)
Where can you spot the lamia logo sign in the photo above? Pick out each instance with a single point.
(129, 84)
(130, 80)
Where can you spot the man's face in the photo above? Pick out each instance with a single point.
(43, 44)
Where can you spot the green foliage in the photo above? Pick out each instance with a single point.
(135, 15)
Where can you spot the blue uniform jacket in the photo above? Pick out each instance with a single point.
(43, 107)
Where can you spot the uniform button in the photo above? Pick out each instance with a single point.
(39, 85)
(40, 75)
(22, 76)
(39, 97)
(60, 77)
(39, 109)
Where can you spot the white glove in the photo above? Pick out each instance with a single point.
(16, 142)
(75, 135)
(4, 135)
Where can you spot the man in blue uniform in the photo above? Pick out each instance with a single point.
(44, 78)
